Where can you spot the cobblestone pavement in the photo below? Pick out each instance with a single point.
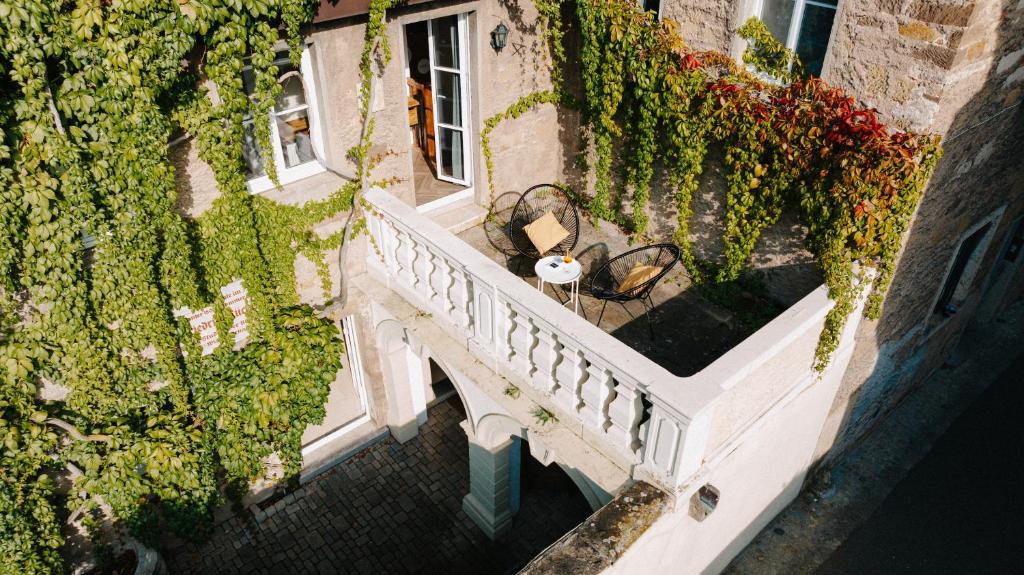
(391, 509)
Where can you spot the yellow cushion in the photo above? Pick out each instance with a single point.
(637, 276)
(545, 232)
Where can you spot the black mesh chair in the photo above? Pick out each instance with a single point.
(605, 283)
(496, 225)
(531, 206)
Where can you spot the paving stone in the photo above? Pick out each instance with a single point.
(397, 509)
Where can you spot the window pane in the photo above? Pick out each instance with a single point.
(446, 42)
(451, 154)
(248, 81)
(251, 156)
(449, 99)
(651, 6)
(292, 94)
(776, 16)
(296, 145)
(815, 29)
(963, 256)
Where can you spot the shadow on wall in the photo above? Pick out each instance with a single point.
(979, 172)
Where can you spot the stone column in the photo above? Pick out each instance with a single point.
(493, 496)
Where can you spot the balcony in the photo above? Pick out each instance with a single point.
(660, 407)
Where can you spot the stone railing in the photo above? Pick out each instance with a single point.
(634, 408)
(662, 426)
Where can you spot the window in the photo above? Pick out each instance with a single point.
(961, 274)
(651, 6)
(803, 26)
(294, 132)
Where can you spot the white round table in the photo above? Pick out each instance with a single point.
(553, 270)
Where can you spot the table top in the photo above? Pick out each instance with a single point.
(561, 273)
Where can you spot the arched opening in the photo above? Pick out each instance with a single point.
(550, 503)
(441, 387)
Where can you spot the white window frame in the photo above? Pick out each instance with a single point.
(797, 20)
(311, 168)
(462, 27)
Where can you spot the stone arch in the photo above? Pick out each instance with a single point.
(458, 383)
(496, 428)
(406, 373)
(593, 493)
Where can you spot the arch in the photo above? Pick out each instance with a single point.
(406, 375)
(595, 496)
(496, 428)
(458, 383)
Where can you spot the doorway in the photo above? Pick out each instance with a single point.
(437, 79)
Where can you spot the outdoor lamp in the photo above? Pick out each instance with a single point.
(499, 37)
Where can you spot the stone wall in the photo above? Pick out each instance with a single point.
(951, 67)
(527, 151)
(976, 105)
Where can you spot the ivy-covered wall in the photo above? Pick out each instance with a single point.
(536, 148)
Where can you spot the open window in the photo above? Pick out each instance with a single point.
(963, 270)
(804, 26)
(295, 138)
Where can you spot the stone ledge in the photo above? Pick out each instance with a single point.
(598, 542)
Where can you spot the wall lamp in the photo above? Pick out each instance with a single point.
(499, 37)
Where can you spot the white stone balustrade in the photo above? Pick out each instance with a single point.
(622, 403)
(607, 387)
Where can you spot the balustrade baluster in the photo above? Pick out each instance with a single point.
(413, 254)
(570, 374)
(429, 268)
(597, 394)
(523, 341)
(546, 358)
(447, 282)
(625, 412)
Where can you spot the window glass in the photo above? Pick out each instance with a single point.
(776, 15)
(449, 99)
(296, 144)
(956, 273)
(251, 156)
(812, 43)
(651, 6)
(446, 42)
(289, 118)
(451, 156)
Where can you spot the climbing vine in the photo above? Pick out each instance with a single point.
(766, 54)
(101, 377)
(517, 109)
(649, 102)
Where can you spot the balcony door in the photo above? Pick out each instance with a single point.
(449, 71)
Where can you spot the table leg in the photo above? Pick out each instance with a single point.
(576, 296)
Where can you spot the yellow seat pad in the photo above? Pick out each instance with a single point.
(637, 275)
(545, 232)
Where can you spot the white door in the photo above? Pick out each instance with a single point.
(449, 69)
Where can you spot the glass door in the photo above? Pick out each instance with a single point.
(449, 69)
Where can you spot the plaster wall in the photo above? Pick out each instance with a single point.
(756, 479)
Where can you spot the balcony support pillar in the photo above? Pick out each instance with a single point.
(493, 497)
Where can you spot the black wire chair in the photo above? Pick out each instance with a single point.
(531, 206)
(605, 283)
(496, 225)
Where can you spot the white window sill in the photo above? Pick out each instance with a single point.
(312, 188)
(286, 177)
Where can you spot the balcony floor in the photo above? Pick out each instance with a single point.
(690, 331)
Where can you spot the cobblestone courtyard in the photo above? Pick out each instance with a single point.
(391, 509)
